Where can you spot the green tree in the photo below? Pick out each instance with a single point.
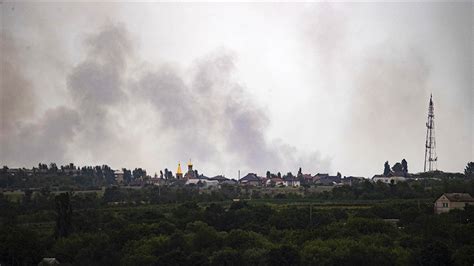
(464, 255)
(283, 255)
(85, 249)
(64, 215)
(397, 168)
(203, 236)
(435, 253)
(127, 175)
(469, 170)
(386, 169)
(226, 257)
(405, 166)
(19, 246)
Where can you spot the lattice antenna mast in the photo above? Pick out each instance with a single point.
(430, 145)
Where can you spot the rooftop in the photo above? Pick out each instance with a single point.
(459, 197)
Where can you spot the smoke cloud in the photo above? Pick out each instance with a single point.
(16, 94)
(328, 87)
(201, 113)
(212, 115)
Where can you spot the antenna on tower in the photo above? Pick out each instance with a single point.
(430, 145)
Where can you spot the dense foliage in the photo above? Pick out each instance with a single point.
(366, 224)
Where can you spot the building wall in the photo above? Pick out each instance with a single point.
(388, 180)
(443, 205)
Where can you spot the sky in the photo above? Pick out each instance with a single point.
(329, 87)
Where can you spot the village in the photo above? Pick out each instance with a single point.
(72, 178)
(139, 177)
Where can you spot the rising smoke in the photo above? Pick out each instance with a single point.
(361, 73)
(203, 114)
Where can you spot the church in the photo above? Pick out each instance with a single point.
(191, 174)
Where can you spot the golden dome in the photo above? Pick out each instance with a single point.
(179, 169)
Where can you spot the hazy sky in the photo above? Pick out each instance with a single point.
(256, 86)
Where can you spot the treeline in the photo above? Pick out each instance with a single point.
(70, 176)
(66, 176)
(184, 226)
(241, 234)
(428, 189)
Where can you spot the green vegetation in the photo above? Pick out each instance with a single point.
(363, 224)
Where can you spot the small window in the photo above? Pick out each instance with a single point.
(445, 205)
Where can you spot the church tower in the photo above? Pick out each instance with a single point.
(190, 166)
(191, 174)
(179, 173)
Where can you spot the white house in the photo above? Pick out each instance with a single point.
(292, 183)
(388, 179)
(205, 183)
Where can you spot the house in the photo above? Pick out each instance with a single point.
(119, 174)
(231, 182)
(388, 179)
(177, 183)
(450, 201)
(351, 180)
(275, 182)
(219, 178)
(291, 182)
(157, 181)
(250, 179)
(327, 180)
(307, 179)
(318, 176)
(203, 182)
(211, 184)
(194, 181)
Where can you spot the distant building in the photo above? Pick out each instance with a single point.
(318, 176)
(231, 182)
(179, 173)
(352, 180)
(203, 182)
(388, 179)
(307, 179)
(193, 181)
(275, 182)
(293, 182)
(450, 201)
(250, 179)
(118, 174)
(219, 178)
(211, 184)
(191, 174)
(328, 180)
(157, 181)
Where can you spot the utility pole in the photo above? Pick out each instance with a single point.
(430, 145)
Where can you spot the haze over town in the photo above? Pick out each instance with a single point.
(250, 87)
